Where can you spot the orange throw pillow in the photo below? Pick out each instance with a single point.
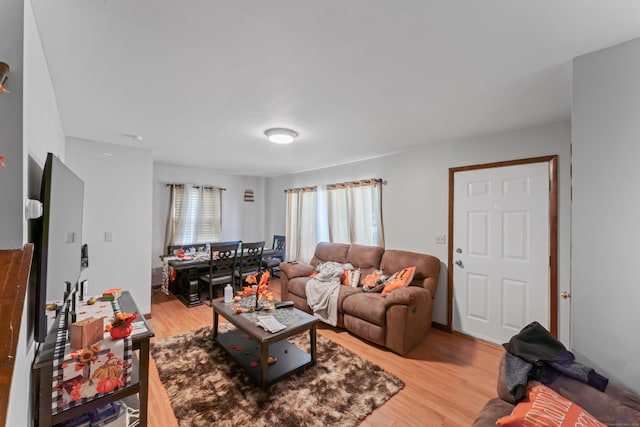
(372, 279)
(344, 279)
(544, 407)
(399, 280)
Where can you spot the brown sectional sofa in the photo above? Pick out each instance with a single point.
(398, 321)
(613, 407)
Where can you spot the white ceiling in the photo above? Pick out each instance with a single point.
(200, 80)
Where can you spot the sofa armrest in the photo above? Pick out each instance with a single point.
(411, 296)
(492, 411)
(295, 269)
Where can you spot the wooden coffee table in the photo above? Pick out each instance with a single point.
(251, 346)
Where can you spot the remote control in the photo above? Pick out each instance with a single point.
(284, 304)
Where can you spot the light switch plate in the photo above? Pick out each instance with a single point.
(441, 239)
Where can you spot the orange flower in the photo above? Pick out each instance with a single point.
(121, 319)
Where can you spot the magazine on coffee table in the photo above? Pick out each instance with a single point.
(269, 323)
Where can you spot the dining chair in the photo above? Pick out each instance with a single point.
(223, 264)
(274, 256)
(250, 260)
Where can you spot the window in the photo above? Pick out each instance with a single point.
(349, 212)
(194, 214)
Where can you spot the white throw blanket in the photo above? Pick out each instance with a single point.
(322, 291)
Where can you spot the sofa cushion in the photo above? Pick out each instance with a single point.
(346, 291)
(366, 258)
(545, 407)
(366, 306)
(427, 267)
(399, 280)
(326, 252)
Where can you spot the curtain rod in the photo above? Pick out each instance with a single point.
(196, 186)
(362, 182)
(300, 189)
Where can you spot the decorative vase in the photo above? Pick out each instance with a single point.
(120, 332)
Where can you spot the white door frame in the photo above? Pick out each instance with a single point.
(553, 233)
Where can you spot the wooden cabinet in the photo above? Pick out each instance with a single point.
(43, 371)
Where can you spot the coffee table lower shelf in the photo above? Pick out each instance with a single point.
(246, 352)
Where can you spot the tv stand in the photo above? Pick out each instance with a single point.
(43, 371)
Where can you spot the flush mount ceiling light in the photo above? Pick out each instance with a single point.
(281, 135)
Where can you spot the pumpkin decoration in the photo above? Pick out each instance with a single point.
(107, 385)
(119, 332)
(120, 326)
(110, 368)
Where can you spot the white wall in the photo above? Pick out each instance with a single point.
(117, 198)
(240, 220)
(41, 131)
(13, 175)
(415, 198)
(606, 208)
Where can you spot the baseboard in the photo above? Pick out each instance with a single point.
(440, 327)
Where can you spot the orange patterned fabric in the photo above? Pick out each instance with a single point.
(399, 280)
(372, 279)
(344, 279)
(544, 407)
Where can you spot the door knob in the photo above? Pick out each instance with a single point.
(565, 295)
(459, 264)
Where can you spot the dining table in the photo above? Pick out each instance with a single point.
(180, 273)
(180, 276)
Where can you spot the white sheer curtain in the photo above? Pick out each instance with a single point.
(301, 223)
(349, 212)
(355, 212)
(194, 214)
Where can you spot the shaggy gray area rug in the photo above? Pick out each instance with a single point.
(207, 387)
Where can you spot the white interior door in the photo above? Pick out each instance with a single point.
(501, 250)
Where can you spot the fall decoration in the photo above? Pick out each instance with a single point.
(120, 326)
(259, 285)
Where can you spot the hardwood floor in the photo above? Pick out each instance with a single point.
(448, 377)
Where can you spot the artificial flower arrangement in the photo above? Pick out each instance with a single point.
(259, 285)
(120, 325)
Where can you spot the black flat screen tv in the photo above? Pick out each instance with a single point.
(59, 246)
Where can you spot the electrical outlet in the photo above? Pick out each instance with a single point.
(441, 239)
